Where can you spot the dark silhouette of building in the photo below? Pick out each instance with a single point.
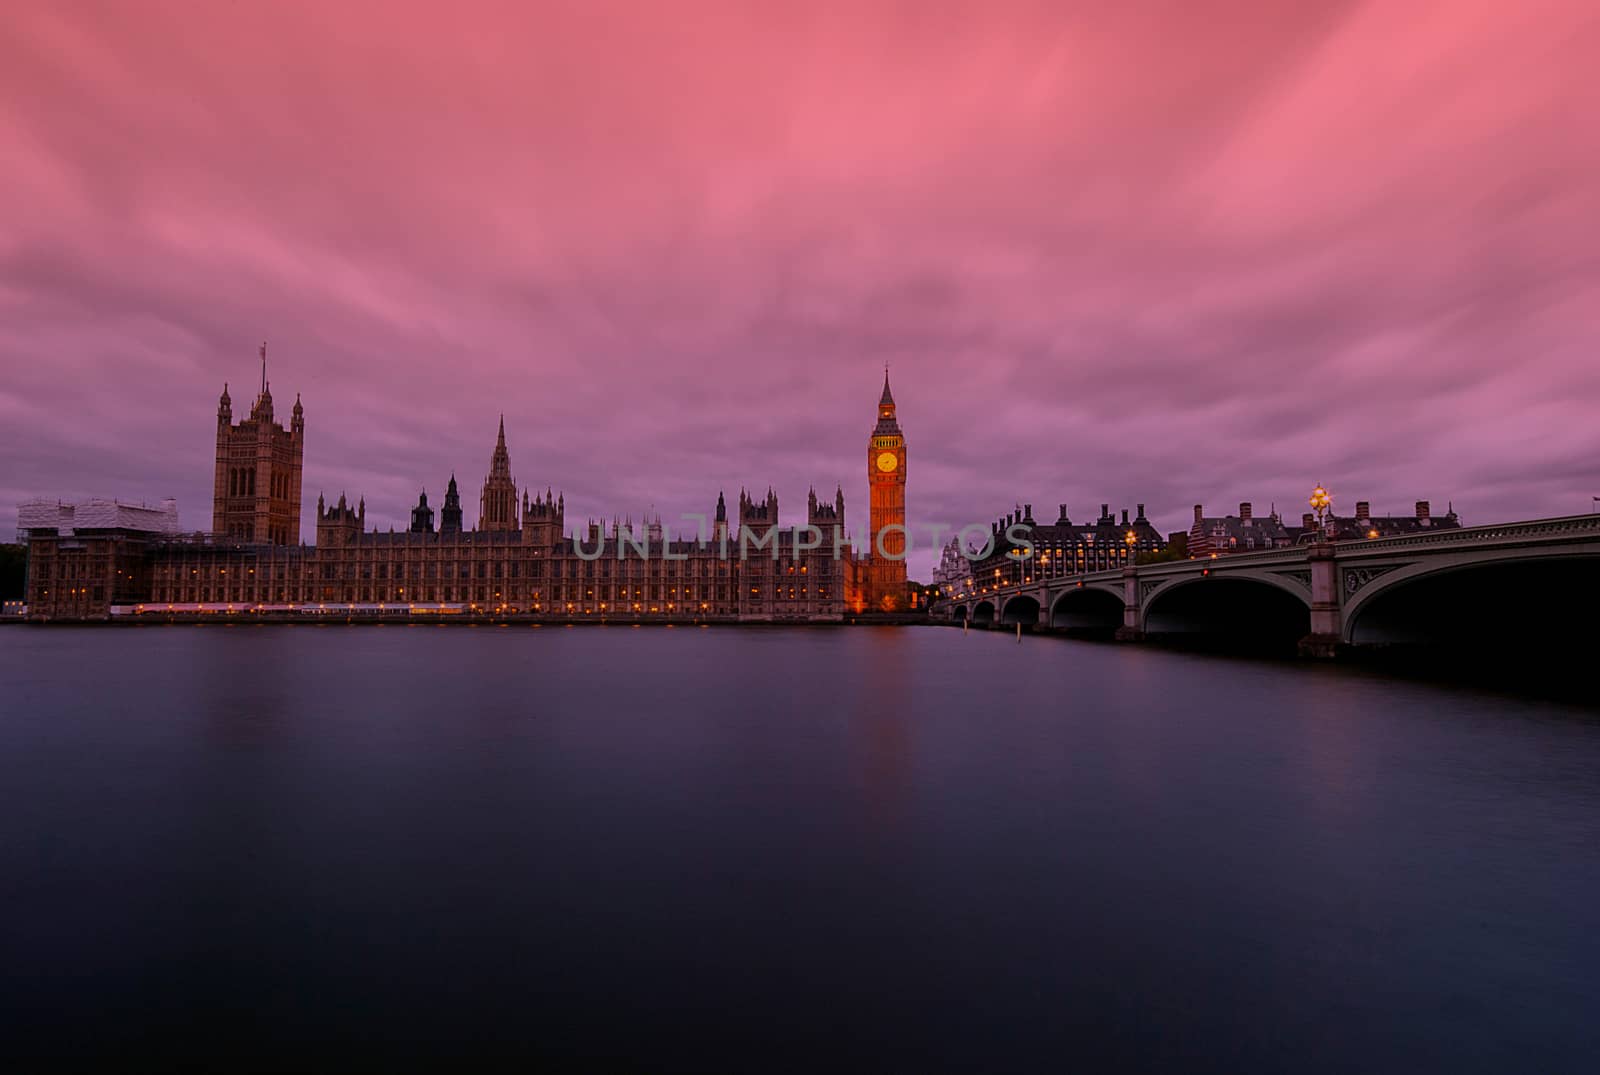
(422, 516)
(450, 514)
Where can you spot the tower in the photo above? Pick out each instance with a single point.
(497, 508)
(256, 491)
(544, 519)
(450, 513)
(885, 584)
(719, 524)
(422, 516)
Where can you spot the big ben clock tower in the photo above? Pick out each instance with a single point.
(886, 481)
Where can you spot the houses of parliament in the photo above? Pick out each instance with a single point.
(105, 558)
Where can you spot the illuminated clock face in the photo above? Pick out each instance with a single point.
(886, 461)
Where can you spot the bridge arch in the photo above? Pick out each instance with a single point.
(1515, 598)
(983, 613)
(1245, 610)
(1020, 608)
(1086, 609)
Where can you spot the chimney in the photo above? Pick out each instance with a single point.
(1363, 512)
(1244, 512)
(1308, 521)
(1140, 516)
(1199, 515)
(1027, 511)
(1422, 513)
(1124, 516)
(1105, 512)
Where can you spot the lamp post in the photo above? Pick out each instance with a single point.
(1130, 539)
(1320, 501)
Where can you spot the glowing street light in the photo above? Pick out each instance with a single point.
(1320, 501)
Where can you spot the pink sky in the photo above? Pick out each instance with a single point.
(1166, 253)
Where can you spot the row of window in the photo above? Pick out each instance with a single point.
(488, 595)
(436, 570)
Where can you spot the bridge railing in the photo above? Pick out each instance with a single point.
(1577, 527)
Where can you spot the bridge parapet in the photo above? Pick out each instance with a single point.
(1540, 531)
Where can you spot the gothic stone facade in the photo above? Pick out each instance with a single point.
(531, 570)
(519, 561)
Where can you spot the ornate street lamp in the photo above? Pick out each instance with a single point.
(1321, 500)
(1130, 539)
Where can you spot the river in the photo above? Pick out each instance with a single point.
(815, 848)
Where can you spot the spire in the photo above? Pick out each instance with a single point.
(887, 426)
(502, 440)
(263, 367)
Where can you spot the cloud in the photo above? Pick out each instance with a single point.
(1164, 253)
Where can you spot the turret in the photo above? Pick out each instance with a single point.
(225, 407)
(719, 524)
(422, 516)
(450, 513)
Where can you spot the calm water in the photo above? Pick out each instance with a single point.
(692, 848)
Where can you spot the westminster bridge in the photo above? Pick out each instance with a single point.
(1514, 582)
